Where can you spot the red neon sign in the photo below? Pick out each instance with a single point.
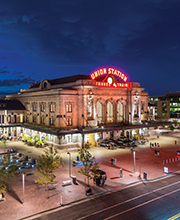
(115, 85)
(112, 71)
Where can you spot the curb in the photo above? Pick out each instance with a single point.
(160, 177)
(65, 204)
(92, 196)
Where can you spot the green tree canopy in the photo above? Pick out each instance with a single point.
(6, 175)
(48, 163)
(89, 163)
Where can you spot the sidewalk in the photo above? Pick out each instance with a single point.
(36, 202)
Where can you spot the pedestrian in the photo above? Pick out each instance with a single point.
(139, 177)
(155, 144)
(150, 144)
(155, 152)
(114, 161)
(175, 142)
(63, 163)
(103, 181)
(158, 153)
(158, 144)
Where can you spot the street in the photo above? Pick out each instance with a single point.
(148, 200)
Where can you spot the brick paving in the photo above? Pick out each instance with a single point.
(35, 195)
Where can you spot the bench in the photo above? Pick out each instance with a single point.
(52, 186)
(67, 182)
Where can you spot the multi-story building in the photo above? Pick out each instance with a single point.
(11, 113)
(167, 107)
(97, 106)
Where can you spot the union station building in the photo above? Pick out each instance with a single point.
(77, 108)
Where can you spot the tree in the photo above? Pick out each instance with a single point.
(89, 163)
(7, 171)
(48, 163)
(3, 143)
(171, 127)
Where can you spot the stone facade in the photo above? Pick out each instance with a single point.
(75, 103)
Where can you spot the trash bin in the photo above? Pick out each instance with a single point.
(74, 179)
(145, 175)
(121, 173)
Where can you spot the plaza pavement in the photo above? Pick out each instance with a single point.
(35, 201)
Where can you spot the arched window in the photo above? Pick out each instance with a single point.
(120, 112)
(99, 112)
(110, 116)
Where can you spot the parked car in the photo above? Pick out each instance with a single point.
(112, 145)
(104, 144)
(27, 165)
(120, 144)
(10, 167)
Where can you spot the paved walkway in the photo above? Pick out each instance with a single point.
(35, 200)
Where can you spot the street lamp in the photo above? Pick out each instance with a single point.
(134, 157)
(69, 164)
(23, 182)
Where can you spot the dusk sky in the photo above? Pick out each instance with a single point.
(53, 39)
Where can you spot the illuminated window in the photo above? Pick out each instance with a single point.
(120, 112)
(27, 118)
(42, 107)
(52, 107)
(34, 107)
(68, 107)
(110, 115)
(27, 107)
(9, 118)
(90, 109)
(69, 121)
(99, 112)
(51, 121)
(21, 118)
(69, 138)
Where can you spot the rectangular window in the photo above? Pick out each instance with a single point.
(27, 118)
(34, 107)
(42, 120)
(51, 121)
(9, 118)
(42, 107)
(27, 107)
(68, 107)
(69, 121)
(52, 108)
(3, 119)
(142, 106)
(21, 118)
(34, 118)
(69, 138)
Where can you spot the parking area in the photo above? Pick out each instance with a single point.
(35, 201)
